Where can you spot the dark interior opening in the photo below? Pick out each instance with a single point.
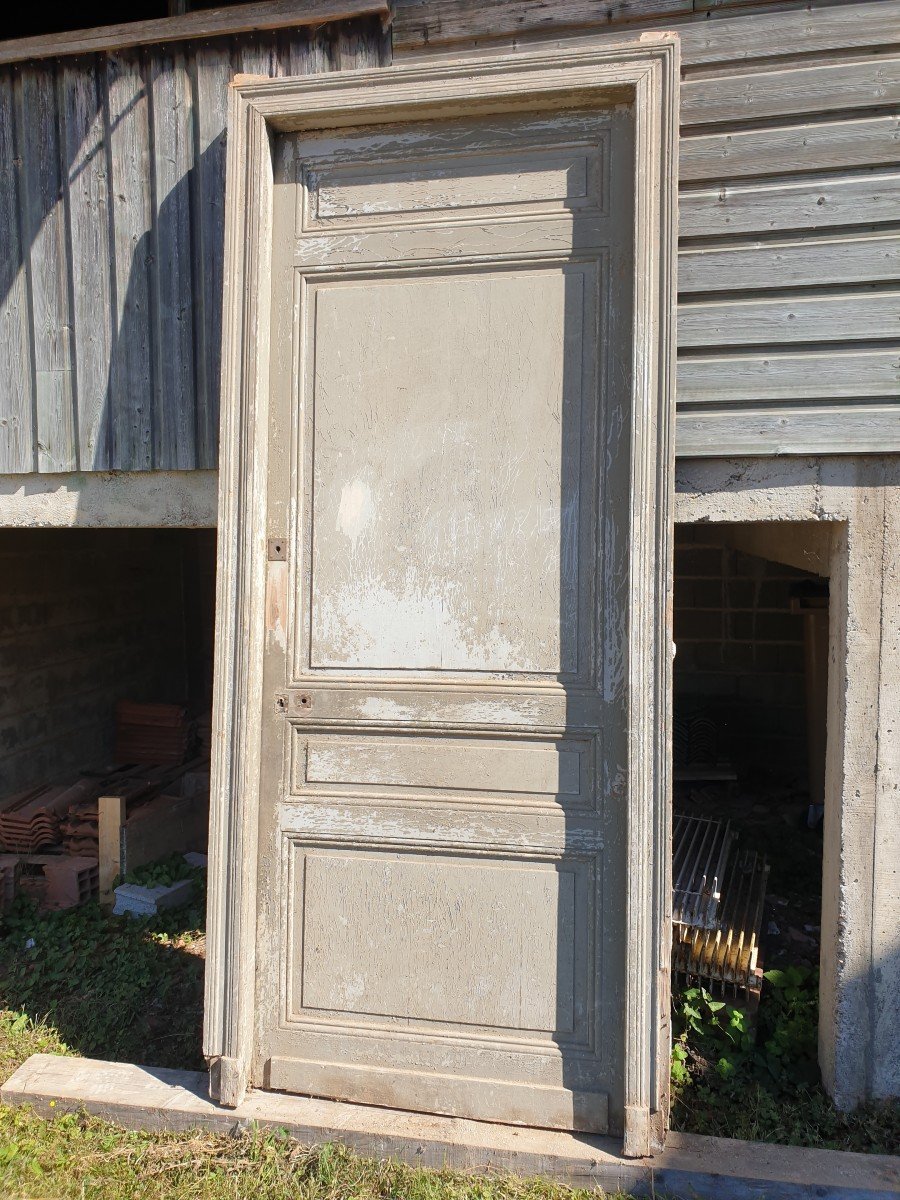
(750, 682)
(91, 617)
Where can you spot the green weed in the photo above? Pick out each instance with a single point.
(762, 1083)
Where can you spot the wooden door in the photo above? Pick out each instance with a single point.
(441, 674)
(439, 879)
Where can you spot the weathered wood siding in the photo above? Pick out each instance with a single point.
(789, 265)
(112, 181)
(112, 194)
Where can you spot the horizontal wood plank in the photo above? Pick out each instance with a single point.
(726, 36)
(819, 88)
(827, 429)
(772, 207)
(857, 316)
(213, 22)
(709, 34)
(872, 258)
(738, 379)
(829, 145)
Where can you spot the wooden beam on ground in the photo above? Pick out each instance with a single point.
(716, 1168)
(111, 819)
(212, 22)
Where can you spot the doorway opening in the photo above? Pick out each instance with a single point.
(106, 646)
(106, 642)
(749, 734)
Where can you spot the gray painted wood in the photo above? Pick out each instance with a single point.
(173, 161)
(790, 263)
(775, 205)
(789, 182)
(809, 88)
(89, 255)
(829, 145)
(733, 379)
(17, 452)
(45, 221)
(112, 170)
(835, 317)
(714, 33)
(212, 69)
(129, 160)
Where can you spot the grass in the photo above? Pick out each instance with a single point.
(83, 982)
(80, 1157)
(762, 1083)
(111, 987)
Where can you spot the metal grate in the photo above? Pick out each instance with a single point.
(717, 907)
(725, 959)
(700, 852)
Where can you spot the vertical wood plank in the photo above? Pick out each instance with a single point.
(17, 452)
(110, 820)
(360, 44)
(295, 48)
(88, 200)
(45, 225)
(213, 70)
(173, 160)
(258, 55)
(129, 169)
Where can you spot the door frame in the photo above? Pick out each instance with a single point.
(643, 74)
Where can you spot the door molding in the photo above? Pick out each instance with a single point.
(642, 74)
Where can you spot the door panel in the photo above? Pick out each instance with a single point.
(442, 816)
(420, 558)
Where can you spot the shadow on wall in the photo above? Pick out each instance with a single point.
(112, 191)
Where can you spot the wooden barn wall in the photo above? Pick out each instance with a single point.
(112, 180)
(789, 264)
(112, 194)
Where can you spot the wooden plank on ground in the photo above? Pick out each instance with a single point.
(17, 449)
(173, 161)
(792, 375)
(853, 428)
(88, 198)
(835, 317)
(216, 22)
(815, 88)
(829, 145)
(45, 225)
(807, 262)
(212, 71)
(777, 206)
(111, 819)
(131, 398)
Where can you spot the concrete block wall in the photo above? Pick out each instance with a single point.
(86, 617)
(740, 653)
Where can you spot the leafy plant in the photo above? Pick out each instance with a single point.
(162, 873)
(731, 1079)
(112, 987)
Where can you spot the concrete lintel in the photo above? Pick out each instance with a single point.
(110, 499)
(716, 1168)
